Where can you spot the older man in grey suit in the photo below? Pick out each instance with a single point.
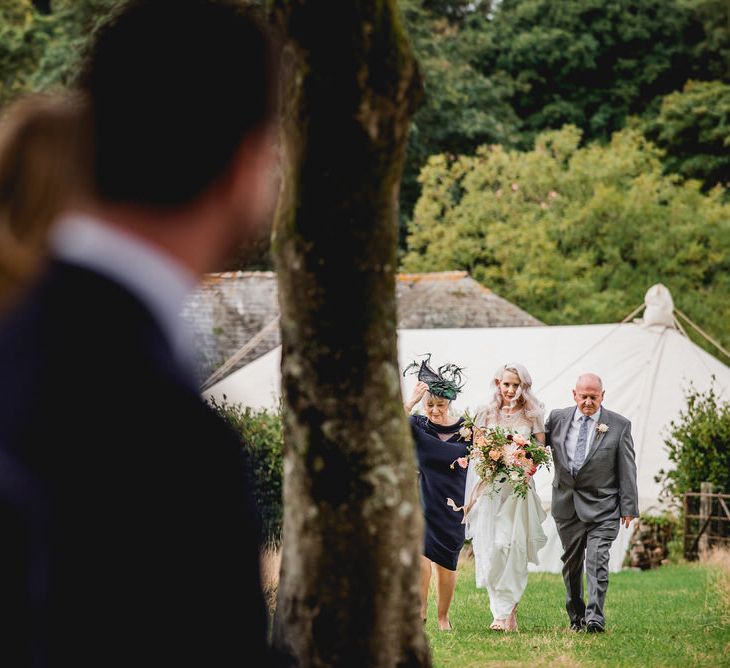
(594, 492)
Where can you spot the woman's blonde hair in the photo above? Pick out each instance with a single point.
(524, 398)
(40, 162)
(41, 165)
(451, 410)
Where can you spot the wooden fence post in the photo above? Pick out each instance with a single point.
(705, 513)
(687, 525)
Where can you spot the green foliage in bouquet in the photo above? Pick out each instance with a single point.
(262, 439)
(503, 457)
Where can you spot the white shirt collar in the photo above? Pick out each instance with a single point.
(595, 417)
(155, 278)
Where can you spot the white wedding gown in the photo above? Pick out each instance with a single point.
(506, 530)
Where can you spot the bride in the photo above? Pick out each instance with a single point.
(505, 529)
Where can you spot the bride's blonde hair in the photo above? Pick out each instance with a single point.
(524, 398)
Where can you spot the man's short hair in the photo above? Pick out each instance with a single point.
(174, 87)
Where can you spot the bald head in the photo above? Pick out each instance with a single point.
(589, 380)
(588, 393)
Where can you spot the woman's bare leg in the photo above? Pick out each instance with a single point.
(446, 581)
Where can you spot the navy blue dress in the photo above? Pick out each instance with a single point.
(444, 532)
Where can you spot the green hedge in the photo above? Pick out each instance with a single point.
(699, 446)
(263, 441)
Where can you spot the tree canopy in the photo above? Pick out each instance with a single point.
(576, 234)
(693, 127)
(462, 107)
(496, 72)
(589, 62)
(502, 73)
(41, 49)
(713, 49)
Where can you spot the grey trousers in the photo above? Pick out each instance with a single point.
(586, 542)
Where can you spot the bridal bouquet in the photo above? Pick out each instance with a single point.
(501, 456)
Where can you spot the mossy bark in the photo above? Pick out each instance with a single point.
(348, 594)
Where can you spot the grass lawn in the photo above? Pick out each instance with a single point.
(670, 616)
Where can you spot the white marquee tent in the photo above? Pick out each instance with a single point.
(646, 367)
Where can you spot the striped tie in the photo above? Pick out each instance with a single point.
(580, 449)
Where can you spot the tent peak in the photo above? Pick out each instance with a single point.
(659, 307)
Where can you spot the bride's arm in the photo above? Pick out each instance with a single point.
(538, 429)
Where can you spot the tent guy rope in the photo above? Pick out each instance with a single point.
(223, 370)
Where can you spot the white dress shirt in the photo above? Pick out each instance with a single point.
(159, 281)
(571, 440)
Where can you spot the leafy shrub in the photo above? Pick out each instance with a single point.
(699, 446)
(263, 441)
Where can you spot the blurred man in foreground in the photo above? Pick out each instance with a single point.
(136, 532)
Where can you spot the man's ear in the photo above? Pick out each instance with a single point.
(252, 181)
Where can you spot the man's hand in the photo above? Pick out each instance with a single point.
(626, 521)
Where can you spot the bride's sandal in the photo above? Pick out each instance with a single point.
(498, 625)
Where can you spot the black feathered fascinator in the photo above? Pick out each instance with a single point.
(445, 382)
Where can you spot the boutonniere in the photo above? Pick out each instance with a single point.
(602, 428)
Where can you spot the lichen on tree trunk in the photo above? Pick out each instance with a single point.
(348, 594)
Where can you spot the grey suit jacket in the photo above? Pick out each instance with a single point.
(605, 487)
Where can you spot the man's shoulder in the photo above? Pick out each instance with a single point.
(617, 418)
(74, 327)
(557, 413)
(70, 296)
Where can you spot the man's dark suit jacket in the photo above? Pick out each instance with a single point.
(130, 535)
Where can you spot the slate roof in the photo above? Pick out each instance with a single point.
(232, 309)
(453, 299)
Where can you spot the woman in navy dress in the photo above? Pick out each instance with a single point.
(439, 447)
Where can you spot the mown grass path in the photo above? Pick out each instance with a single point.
(670, 616)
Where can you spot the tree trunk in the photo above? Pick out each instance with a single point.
(348, 593)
